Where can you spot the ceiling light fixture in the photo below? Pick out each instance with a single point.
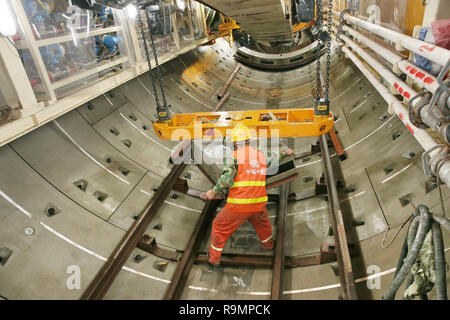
(7, 21)
(181, 4)
(131, 11)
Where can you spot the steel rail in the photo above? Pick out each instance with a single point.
(343, 255)
(327, 254)
(181, 273)
(222, 91)
(101, 283)
(276, 292)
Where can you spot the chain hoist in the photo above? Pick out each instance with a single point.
(322, 105)
(162, 108)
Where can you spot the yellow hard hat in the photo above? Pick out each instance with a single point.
(240, 133)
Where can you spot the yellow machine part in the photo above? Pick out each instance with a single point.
(281, 123)
(303, 25)
(226, 29)
(300, 26)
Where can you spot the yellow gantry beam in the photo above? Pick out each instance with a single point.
(301, 25)
(281, 123)
(226, 28)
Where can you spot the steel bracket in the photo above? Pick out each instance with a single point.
(430, 164)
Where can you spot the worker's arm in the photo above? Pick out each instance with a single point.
(225, 180)
(274, 156)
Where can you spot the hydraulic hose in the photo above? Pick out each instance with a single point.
(439, 262)
(423, 228)
(404, 251)
(412, 232)
(402, 256)
(443, 221)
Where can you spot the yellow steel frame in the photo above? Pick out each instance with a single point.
(303, 25)
(226, 29)
(263, 123)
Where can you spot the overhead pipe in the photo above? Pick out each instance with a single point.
(423, 112)
(432, 117)
(422, 136)
(394, 81)
(418, 75)
(428, 50)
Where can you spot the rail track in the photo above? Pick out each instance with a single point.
(278, 262)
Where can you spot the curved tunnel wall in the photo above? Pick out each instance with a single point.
(98, 166)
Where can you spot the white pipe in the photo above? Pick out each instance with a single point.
(418, 75)
(430, 51)
(422, 136)
(391, 78)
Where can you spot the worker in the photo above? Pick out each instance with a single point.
(245, 177)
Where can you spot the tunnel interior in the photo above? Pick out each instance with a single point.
(71, 188)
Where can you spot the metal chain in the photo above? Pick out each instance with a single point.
(327, 70)
(328, 50)
(147, 54)
(162, 109)
(158, 69)
(319, 45)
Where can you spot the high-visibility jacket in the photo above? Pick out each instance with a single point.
(248, 193)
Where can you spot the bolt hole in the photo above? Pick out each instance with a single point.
(100, 196)
(396, 135)
(124, 171)
(138, 258)
(114, 131)
(127, 143)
